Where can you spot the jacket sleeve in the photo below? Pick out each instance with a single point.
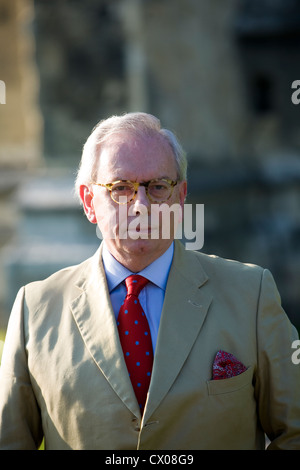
(20, 421)
(278, 378)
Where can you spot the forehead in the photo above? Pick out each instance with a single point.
(130, 156)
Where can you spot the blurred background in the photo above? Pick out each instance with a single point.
(218, 73)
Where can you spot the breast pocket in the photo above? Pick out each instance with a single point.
(216, 387)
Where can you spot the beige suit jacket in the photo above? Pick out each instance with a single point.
(63, 374)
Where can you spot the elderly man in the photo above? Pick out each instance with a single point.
(147, 345)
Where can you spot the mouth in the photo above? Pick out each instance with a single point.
(142, 232)
(141, 229)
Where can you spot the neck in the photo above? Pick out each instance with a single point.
(138, 259)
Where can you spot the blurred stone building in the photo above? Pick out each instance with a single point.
(218, 73)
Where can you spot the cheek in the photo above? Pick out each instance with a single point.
(176, 198)
(102, 202)
(101, 207)
(107, 215)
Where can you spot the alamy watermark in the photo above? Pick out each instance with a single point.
(296, 354)
(296, 94)
(160, 221)
(2, 92)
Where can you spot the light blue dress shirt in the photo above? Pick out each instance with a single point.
(151, 297)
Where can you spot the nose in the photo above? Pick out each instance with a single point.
(140, 200)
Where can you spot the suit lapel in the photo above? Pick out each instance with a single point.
(184, 310)
(95, 319)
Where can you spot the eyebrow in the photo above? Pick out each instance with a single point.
(143, 181)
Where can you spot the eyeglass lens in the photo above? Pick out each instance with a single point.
(157, 190)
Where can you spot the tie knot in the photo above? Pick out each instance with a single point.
(135, 283)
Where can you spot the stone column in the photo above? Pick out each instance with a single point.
(131, 12)
(20, 120)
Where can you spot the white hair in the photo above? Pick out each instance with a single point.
(139, 123)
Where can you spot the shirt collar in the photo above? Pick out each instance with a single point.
(157, 272)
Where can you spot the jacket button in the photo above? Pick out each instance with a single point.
(136, 427)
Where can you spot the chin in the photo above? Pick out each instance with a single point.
(140, 245)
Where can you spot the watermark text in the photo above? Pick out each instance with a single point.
(296, 94)
(160, 221)
(296, 354)
(2, 92)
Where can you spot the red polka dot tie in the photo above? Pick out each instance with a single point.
(135, 338)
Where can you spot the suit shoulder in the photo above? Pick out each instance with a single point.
(217, 262)
(230, 277)
(58, 282)
(230, 271)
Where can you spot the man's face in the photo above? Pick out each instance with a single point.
(138, 159)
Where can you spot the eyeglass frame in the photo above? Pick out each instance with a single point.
(136, 186)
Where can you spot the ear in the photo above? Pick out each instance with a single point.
(183, 192)
(87, 200)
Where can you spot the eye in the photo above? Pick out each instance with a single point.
(122, 187)
(159, 186)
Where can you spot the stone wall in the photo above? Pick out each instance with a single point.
(220, 75)
(223, 86)
(79, 54)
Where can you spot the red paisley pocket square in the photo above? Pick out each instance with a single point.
(226, 365)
